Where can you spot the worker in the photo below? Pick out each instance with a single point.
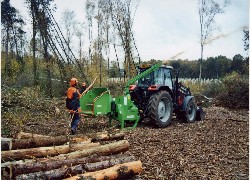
(83, 88)
(73, 104)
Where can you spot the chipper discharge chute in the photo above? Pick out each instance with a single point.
(98, 101)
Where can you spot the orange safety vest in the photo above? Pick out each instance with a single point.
(70, 95)
(71, 92)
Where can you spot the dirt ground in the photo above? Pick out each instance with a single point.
(215, 148)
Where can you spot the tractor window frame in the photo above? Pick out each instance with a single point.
(167, 77)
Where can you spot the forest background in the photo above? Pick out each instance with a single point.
(42, 62)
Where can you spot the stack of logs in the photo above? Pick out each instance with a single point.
(92, 156)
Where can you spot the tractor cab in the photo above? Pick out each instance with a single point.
(160, 77)
(156, 80)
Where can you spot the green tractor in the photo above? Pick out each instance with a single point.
(154, 97)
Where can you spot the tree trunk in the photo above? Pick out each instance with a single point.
(7, 61)
(120, 171)
(74, 139)
(100, 136)
(107, 149)
(48, 164)
(60, 173)
(6, 144)
(201, 62)
(44, 151)
(108, 163)
(103, 136)
(66, 170)
(39, 142)
(24, 135)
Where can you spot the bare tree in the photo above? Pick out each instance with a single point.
(122, 12)
(33, 8)
(68, 21)
(208, 9)
(78, 29)
(90, 10)
(246, 40)
(11, 22)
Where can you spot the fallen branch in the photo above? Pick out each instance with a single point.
(237, 120)
(88, 88)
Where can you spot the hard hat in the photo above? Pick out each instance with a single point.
(73, 82)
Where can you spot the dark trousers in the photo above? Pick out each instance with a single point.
(76, 119)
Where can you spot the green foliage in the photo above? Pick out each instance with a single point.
(213, 88)
(235, 91)
(213, 67)
(116, 89)
(114, 70)
(23, 105)
(231, 91)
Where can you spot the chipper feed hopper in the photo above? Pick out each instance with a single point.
(98, 101)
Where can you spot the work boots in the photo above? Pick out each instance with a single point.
(73, 131)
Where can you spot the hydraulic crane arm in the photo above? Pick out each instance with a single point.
(141, 75)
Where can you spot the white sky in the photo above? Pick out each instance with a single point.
(166, 28)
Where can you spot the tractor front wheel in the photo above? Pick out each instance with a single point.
(160, 109)
(190, 113)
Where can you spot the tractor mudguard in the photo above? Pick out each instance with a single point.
(185, 102)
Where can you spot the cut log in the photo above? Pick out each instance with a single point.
(44, 151)
(80, 140)
(60, 173)
(107, 149)
(88, 162)
(43, 142)
(29, 140)
(38, 142)
(48, 164)
(120, 171)
(24, 135)
(103, 136)
(66, 170)
(11, 163)
(107, 163)
(6, 144)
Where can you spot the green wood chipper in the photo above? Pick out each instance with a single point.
(155, 97)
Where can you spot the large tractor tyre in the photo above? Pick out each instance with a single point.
(189, 115)
(160, 109)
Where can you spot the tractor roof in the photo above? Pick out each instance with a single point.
(146, 66)
(169, 67)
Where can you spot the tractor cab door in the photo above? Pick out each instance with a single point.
(167, 78)
(164, 77)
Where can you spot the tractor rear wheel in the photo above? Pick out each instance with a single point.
(160, 109)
